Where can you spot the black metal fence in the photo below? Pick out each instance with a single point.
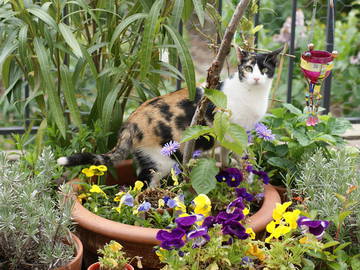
(327, 84)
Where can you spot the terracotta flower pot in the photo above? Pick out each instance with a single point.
(76, 262)
(96, 231)
(96, 266)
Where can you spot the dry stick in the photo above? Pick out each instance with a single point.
(213, 75)
(278, 77)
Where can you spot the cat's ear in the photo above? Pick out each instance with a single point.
(272, 56)
(241, 54)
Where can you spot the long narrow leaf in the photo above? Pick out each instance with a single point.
(123, 25)
(186, 61)
(49, 85)
(43, 15)
(177, 12)
(69, 94)
(199, 9)
(148, 37)
(70, 39)
(109, 106)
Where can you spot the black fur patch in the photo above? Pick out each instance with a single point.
(164, 132)
(165, 111)
(155, 100)
(198, 94)
(147, 166)
(204, 143)
(184, 120)
(137, 132)
(149, 120)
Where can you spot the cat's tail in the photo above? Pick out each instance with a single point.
(120, 152)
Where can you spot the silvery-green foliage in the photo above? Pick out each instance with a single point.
(33, 218)
(321, 178)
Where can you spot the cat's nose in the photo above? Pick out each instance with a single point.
(256, 79)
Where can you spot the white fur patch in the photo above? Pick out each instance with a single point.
(62, 161)
(247, 99)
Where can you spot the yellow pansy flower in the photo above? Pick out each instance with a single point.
(118, 196)
(251, 232)
(97, 189)
(246, 211)
(202, 205)
(82, 196)
(117, 209)
(138, 185)
(115, 246)
(291, 218)
(304, 240)
(161, 203)
(180, 206)
(98, 170)
(88, 172)
(280, 210)
(160, 254)
(254, 250)
(174, 177)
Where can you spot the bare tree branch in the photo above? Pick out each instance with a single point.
(213, 75)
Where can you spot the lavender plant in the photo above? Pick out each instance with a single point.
(34, 220)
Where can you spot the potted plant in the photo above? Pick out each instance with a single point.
(113, 258)
(35, 219)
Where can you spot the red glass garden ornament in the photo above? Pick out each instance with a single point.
(316, 66)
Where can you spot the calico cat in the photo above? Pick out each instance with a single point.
(163, 119)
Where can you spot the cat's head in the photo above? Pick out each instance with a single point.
(257, 68)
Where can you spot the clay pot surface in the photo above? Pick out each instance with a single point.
(96, 231)
(96, 266)
(76, 262)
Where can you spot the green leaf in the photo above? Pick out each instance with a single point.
(257, 28)
(281, 163)
(325, 138)
(69, 94)
(238, 134)
(232, 146)
(109, 106)
(123, 25)
(292, 108)
(9, 46)
(355, 263)
(342, 246)
(221, 125)
(185, 59)
(5, 71)
(148, 37)
(199, 9)
(39, 138)
(70, 39)
(50, 86)
(177, 12)
(330, 244)
(302, 138)
(203, 175)
(43, 15)
(195, 132)
(217, 97)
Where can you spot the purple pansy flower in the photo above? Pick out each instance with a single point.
(263, 175)
(186, 222)
(224, 217)
(127, 199)
(315, 227)
(264, 132)
(200, 237)
(171, 240)
(177, 169)
(237, 203)
(249, 168)
(234, 228)
(144, 207)
(241, 193)
(208, 222)
(232, 176)
(170, 148)
(196, 153)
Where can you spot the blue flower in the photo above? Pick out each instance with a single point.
(177, 169)
(127, 199)
(171, 203)
(196, 153)
(263, 132)
(200, 237)
(315, 227)
(170, 148)
(241, 192)
(144, 207)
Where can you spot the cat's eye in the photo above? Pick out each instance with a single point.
(248, 68)
(264, 70)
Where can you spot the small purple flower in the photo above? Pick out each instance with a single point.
(234, 228)
(241, 193)
(200, 237)
(208, 222)
(249, 168)
(171, 203)
(186, 222)
(144, 207)
(225, 217)
(232, 176)
(264, 132)
(237, 203)
(246, 260)
(127, 199)
(170, 148)
(196, 153)
(166, 198)
(259, 197)
(171, 240)
(250, 136)
(263, 175)
(181, 253)
(177, 169)
(315, 227)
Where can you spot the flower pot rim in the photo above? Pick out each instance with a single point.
(76, 262)
(136, 234)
